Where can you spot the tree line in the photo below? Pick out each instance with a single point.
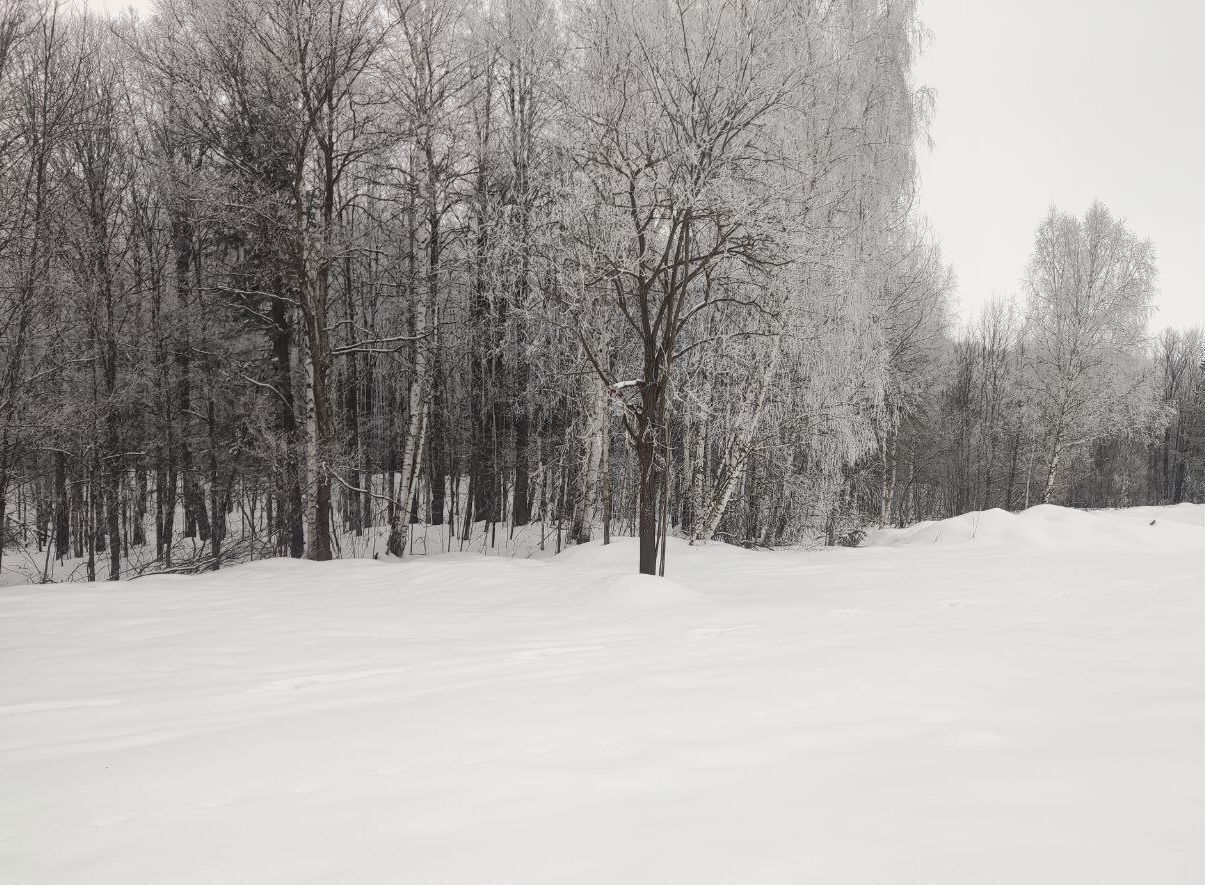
(280, 275)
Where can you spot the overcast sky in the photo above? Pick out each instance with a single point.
(1066, 101)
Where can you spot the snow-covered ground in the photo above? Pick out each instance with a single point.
(992, 699)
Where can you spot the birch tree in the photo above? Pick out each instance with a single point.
(1088, 297)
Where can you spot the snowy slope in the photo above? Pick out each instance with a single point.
(1050, 526)
(1007, 712)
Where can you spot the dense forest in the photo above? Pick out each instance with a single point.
(278, 275)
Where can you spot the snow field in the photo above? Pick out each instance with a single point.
(994, 709)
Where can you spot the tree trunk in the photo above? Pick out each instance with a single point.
(139, 515)
(736, 457)
(586, 494)
(521, 507)
(437, 448)
(419, 405)
(112, 479)
(1052, 472)
(290, 514)
(62, 518)
(649, 481)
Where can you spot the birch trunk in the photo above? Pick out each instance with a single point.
(418, 401)
(419, 395)
(585, 506)
(737, 456)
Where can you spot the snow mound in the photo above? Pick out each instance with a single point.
(618, 555)
(629, 592)
(982, 526)
(1051, 526)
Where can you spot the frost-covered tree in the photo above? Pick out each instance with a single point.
(738, 147)
(340, 277)
(1177, 457)
(1088, 298)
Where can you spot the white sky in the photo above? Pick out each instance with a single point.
(1064, 101)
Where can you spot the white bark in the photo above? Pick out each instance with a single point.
(737, 456)
(586, 504)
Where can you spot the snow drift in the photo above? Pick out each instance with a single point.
(1052, 527)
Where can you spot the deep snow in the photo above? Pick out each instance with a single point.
(993, 699)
